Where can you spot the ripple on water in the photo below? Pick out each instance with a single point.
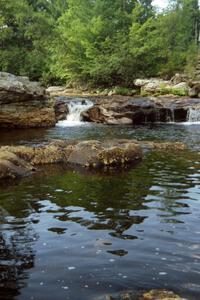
(70, 233)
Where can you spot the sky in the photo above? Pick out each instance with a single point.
(160, 3)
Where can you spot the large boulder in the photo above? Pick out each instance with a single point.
(24, 103)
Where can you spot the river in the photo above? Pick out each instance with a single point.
(73, 234)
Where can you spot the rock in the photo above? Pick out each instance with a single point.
(160, 295)
(11, 166)
(24, 103)
(179, 78)
(61, 110)
(181, 86)
(143, 82)
(18, 161)
(120, 121)
(119, 110)
(127, 295)
(166, 146)
(151, 295)
(194, 89)
(55, 89)
(97, 154)
(157, 86)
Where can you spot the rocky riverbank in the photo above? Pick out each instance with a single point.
(19, 161)
(24, 104)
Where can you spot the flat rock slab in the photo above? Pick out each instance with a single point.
(18, 161)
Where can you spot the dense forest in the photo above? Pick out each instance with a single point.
(100, 42)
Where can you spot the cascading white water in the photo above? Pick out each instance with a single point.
(193, 115)
(76, 107)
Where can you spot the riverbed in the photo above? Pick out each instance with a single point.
(73, 234)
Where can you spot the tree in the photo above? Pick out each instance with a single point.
(26, 31)
(95, 41)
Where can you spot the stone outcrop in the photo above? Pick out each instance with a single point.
(125, 110)
(24, 103)
(18, 161)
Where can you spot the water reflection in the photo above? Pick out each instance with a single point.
(75, 233)
(16, 258)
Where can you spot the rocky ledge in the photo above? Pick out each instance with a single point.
(125, 110)
(24, 103)
(18, 161)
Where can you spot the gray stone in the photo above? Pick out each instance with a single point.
(24, 103)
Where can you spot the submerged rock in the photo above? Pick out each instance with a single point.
(151, 295)
(160, 295)
(17, 161)
(175, 146)
(24, 103)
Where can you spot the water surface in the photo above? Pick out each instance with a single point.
(70, 234)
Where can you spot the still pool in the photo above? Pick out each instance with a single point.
(72, 234)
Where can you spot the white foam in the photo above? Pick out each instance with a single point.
(76, 107)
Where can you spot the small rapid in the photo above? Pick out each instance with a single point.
(76, 107)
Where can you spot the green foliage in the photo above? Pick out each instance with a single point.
(97, 42)
(26, 32)
(173, 91)
(124, 91)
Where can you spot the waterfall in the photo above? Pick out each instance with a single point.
(193, 115)
(170, 116)
(76, 107)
